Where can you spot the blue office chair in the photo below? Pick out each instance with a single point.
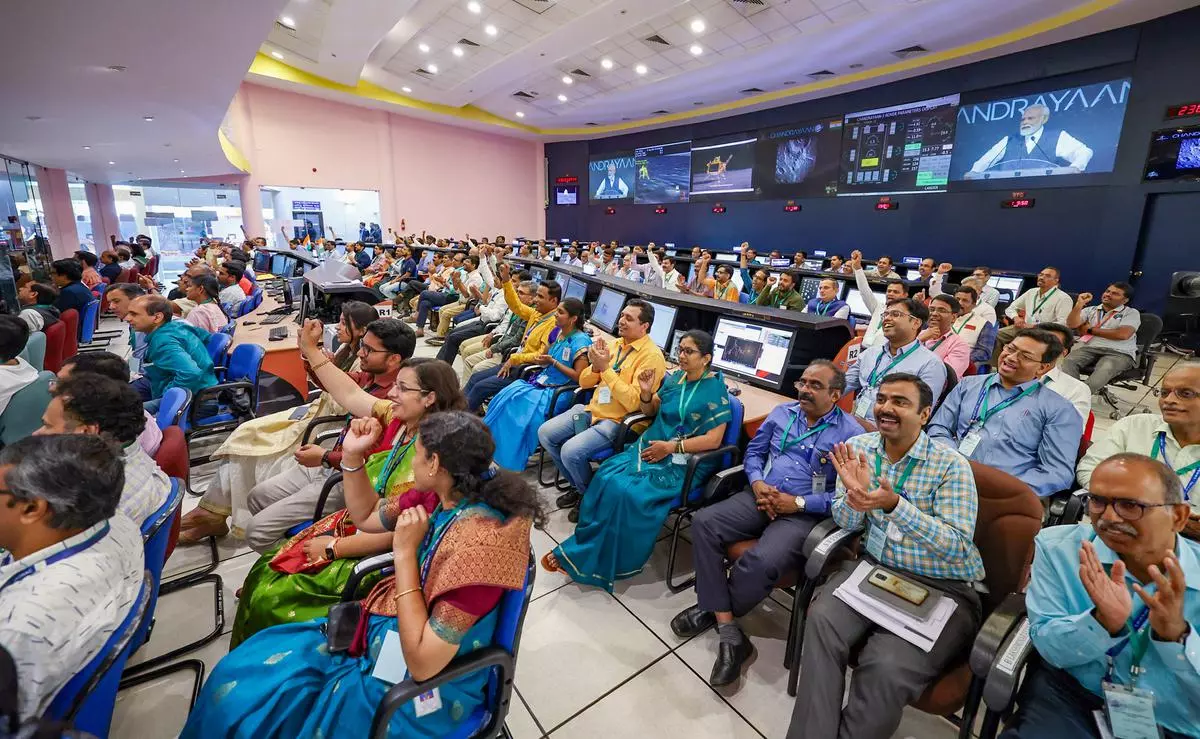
(23, 415)
(225, 406)
(35, 350)
(87, 326)
(217, 346)
(86, 702)
(743, 298)
(170, 411)
(229, 328)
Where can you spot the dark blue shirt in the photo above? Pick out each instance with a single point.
(110, 271)
(792, 469)
(76, 295)
(363, 259)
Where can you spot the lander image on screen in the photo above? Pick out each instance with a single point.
(795, 159)
(1189, 154)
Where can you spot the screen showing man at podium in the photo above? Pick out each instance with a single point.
(1069, 131)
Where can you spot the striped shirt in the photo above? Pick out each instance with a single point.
(146, 485)
(935, 516)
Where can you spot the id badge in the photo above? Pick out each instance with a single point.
(427, 703)
(818, 483)
(1130, 712)
(894, 534)
(862, 405)
(604, 395)
(677, 458)
(967, 446)
(875, 541)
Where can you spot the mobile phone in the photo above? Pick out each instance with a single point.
(910, 592)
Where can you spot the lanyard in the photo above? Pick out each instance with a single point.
(780, 298)
(875, 378)
(537, 323)
(936, 344)
(1107, 316)
(1037, 305)
(58, 557)
(621, 357)
(434, 536)
(1140, 636)
(823, 308)
(899, 484)
(685, 399)
(783, 443)
(393, 461)
(962, 323)
(1160, 450)
(982, 412)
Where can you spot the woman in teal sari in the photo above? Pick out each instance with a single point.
(452, 567)
(298, 579)
(629, 498)
(518, 410)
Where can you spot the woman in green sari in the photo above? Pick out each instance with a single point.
(300, 578)
(629, 498)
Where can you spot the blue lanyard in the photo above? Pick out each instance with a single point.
(987, 413)
(388, 466)
(875, 378)
(60, 556)
(539, 322)
(434, 536)
(1160, 450)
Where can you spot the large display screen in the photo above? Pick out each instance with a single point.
(900, 149)
(663, 173)
(799, 161)
(1074, 130)
(1174, 155)
(610, 177)
(723, 166)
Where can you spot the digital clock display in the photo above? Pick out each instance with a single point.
(1017, 203)
(791, 207)
(660, 209)
(718, 209)
(887, 206)
(1184, 110)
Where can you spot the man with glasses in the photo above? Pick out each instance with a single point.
(1009, 421)
(901, 321)
(941, 339)
(987, 293)
(1113, 611)
(976, 324)
(790, 470)
(279, 502)
(1046, 303)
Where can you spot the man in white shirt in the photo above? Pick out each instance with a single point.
(896, 289)
(73, 566)
(15, 372)
(987, 293)
(670, 277)
(474, 286)
(883, 270)
(1062, 383)
(1038, 146)
(231, 295)
(1046, 303)
(1108, 344)
(977, 324)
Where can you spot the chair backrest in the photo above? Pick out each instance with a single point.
(245, 362)
(256, 297)
(56, 338)
(70, 319)
(1147, 333)
(845, 357)
(152, 265)
(87, 700)
(87, 322)
(513, 606)
(218, 345)
(174, 400)
(156, 535)
(172, 458)
(229, 328)
(1010, 515)
(743, 298)
(99, 291)
(23, 415)
(1085, 441)
(951, 381)
(35, 350)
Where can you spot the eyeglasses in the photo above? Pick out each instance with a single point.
(897, 314)
(939, 309)
(810, 384)
(1183, 393)
(364, 349)
(409, 389)
(1126, 509)
(687, 350)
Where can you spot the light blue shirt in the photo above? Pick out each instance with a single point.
(1067, 636)
(878, 360)
(1035, 439)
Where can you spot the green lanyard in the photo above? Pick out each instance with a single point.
(983, 412)
(783, 443)
(393, 461)
(1037, 306)
(963, 324)
(898, 486)
(533, 328)
(616, 367)
(780, 297)
(685, 400)
(936, 344)
(875, 378)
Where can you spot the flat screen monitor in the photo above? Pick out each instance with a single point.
(813, 264)
(898, 149)
(1174, 155)
(262, 261)
(723, 166)
(809, 287)
(781, 262)
(858, 307)
(563, 280)
(755, 351)
(727, 258)
(575, 288)
(539, 274)
(566, 195)
(589, 269)
(671, 252)
(820, 253)
(564, 241)
(608, 309)
(277, 264)
(799, 160)
(611, 177)
(664, 173)
(673, 354)
(914, 261)
(912, 275)
(1009, 287)
(664, 322)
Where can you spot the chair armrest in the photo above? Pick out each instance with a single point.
(374, 563)
(725, 482)
(994, 631)
(695, 460)
(818, 534)
(832, 550)
(333, 480)
(404, 692)
(319, 421)
(1004, 673)
(213, 392)
(625, 431)
(525, 370)
(559, 391)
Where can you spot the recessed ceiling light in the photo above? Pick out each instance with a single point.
(490, 30)
(175, 160)
(288, 21)
(87, 147)
(474, 7)
(111, 163)
(698, 25)
(431, 68)
(277, 55)
(567, 80)
(181, 171)
(33, 118)
(406, 88)
(641, 69)
(116, 68)
(562, 98)
(696, 49)
(855, 66)
(457, 51)
(147, 118)
(606, 63)
(520, 114)
(424, 48)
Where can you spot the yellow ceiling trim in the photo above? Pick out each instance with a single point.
(268, 67)
(233, 154)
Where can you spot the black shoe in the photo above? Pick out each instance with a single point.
(568, 500)
(573, 516)
(691, 621)
(730, 659)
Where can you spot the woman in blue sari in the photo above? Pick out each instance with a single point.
(452, 567)
(518, 410)
(629, 498)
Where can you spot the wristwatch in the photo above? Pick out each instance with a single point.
(800, 503)
(330, 554)
(325, 461)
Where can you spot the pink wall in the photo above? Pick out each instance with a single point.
(442, 178)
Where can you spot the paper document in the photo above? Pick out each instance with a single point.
(923, 634)
(390, 666)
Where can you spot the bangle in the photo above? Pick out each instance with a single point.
(645, 400)
(319, 365)
(346, 470)
(406, 592)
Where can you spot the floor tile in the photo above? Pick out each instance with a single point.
(520, 721)
(577, 645)
(159, 708)
(647, 596)
(667, 700)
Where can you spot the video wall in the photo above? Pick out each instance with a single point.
(917, 147)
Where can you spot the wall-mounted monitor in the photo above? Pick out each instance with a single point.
(608, 309)
(723, 166)
(1040, 133)
(757, 352)
(799, 161)
(1174, 155)
(664, 323)
(575, 288)
(663, 173)
(566, 195)
(611, 176)
(898, 149)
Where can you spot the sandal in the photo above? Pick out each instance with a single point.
(556, 567)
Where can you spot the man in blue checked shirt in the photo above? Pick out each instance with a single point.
(790, 470)
(916, 504)
(1122, 588)
(901, 352)
(1008, 420)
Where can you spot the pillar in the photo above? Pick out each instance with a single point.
(252, 212)
(105, 224)
(60, 216)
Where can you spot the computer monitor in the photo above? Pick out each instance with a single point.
(914, 261)
(673, 354)
(670, 252)
(727, 258)
(277, 264)
(755, 351)
(664, 322)
(780, 262)
(558, 250)
(1009, 287)
(563, 278)
(912, 275)
(858, 307)
(820, 253)
(589, 269)
(809, 287)
(575, 288)
(539, 274)
(608, 309)
(287, 267)
(564, 241)
(262, 261)
(812, 264)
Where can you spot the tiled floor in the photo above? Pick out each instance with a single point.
(591, 664)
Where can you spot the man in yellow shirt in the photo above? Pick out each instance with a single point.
(539, 319)
(572, 438)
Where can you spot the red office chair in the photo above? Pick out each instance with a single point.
(56, 338)
(172, 458)
(70, 321)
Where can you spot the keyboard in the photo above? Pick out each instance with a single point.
(274, 318)
(278, 333)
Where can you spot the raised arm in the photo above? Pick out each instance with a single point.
(337, 383)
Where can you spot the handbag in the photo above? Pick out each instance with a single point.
(292, 560)
(346, 629)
